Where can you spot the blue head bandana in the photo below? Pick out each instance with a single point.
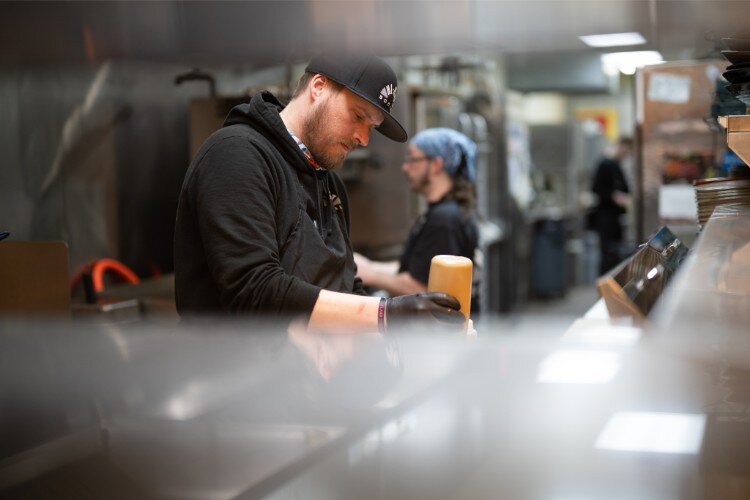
(451, 146)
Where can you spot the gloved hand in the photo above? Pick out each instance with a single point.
(429, 307)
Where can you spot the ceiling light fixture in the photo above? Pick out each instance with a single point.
(628, 62)
(613, 39)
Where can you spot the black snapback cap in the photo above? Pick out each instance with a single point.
(370, 78)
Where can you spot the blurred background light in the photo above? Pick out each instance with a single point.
(653, 432)
(579, 367)
(628, 62)
(613, 39)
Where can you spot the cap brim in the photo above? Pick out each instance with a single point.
(390, 127)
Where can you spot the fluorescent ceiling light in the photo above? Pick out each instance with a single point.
(579, 367)
(613, 39)
(628, 62)
(653, 432)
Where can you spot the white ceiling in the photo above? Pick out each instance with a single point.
(258, 33)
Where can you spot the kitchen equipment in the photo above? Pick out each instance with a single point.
(34, 277)
(739, 65)
(737, 43)
(741, 75)
(741, 91)
(632, 288)
(710, 193)
(736, 56)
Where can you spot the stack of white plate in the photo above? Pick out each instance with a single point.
(710, 193)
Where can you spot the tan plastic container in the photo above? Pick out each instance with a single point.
(451, 274)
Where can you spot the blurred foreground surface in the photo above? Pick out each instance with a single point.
(532, 410)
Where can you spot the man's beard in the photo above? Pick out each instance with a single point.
(317, 137)
(421, 183)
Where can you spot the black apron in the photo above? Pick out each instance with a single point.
(320, 256)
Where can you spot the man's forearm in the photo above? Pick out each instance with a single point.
(336, 312)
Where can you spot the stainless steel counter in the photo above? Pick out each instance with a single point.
(530, 410)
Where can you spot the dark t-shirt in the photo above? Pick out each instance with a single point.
(442, 230)
(608, 178)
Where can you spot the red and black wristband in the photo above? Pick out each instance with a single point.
(381, 316)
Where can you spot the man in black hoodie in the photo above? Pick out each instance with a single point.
(263, 222)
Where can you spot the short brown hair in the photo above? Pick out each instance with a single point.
(304, 81)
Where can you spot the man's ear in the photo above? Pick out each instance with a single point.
(317, 86)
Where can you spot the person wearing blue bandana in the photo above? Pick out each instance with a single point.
(441, 167)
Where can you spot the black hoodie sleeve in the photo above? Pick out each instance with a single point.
(235, 192)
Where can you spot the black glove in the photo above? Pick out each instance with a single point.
(425, 307)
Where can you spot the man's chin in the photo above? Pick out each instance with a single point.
(332, 164)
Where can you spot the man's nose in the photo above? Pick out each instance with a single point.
(362, 135)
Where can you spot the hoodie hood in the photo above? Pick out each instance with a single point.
(262, 114)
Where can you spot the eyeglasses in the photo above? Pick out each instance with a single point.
(415, 159)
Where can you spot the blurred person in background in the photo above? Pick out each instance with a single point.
(441, 167)
(613, 197)
(263, 221)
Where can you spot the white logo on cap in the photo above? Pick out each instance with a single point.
(388, 95)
